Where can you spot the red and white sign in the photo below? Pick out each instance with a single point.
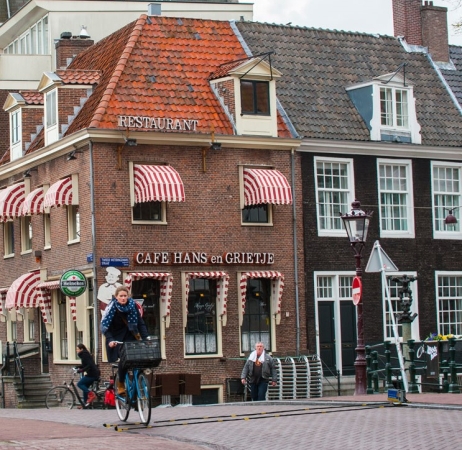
(356, 290)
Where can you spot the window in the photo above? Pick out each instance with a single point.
(147, 292)
(256, 323)
(257, 214)
(26, 234)
(395, 198)
(51, 108)
(449, 302)
(334, 194)
(73, 222)
(201, 326)
(34, 41)
(447, 191)
(394, 107)
(67, 336)
(255, 97)
(149, 211)
(47, 230)
(397, 296)
(15, 127)
(8, 238)
(29, 324)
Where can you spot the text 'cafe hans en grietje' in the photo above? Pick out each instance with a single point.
(167, 258)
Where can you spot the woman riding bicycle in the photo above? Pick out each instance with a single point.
(90, 370)
(121, 322)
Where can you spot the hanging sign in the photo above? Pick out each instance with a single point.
(356, 290)
(73, 283)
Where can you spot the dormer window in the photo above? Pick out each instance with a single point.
(394, 107)
(387, 106)
(51, 114)
(16, 134)
(255, 97)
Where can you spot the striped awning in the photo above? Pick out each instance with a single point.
(277, 287)
(59, 193)
(157, 184)
(11, 200)
(23, 293)
(166, 283)
(33, 203)
(3, 292)
(44, 288)
(263, 186)
(222, 291)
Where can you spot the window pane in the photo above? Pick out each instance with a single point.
(148, 211)
(262, 98)
(386, 107)
(446, 195)
(450, 304)
(247, 96)
(147, 292)
(255, 214)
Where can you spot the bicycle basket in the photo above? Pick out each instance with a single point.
(140, 354)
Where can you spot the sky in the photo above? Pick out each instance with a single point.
(368, 16)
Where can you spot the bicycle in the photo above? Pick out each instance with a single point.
(137, 389)
(65, 396)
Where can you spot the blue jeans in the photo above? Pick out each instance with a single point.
(258, 390)
(84, 383)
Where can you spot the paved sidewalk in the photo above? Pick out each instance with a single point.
(354, 422)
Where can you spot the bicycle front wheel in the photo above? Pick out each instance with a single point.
(144, 399)
(122, 403)
(60, 397)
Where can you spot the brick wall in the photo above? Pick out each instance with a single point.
(435, 32)
(32, 117)
(68, 49)
(407, 21)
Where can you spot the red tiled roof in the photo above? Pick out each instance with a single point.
(88, 77)
(32, 97)
(160, 68)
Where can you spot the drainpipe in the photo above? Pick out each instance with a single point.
(294, 215)
(93, 246)
(8, 9)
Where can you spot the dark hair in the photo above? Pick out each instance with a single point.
(82, 347)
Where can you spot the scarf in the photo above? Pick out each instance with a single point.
(129, 309)
(253, 356)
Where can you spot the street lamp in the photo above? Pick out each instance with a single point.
(356, 224)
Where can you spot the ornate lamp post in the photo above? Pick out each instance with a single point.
(356, 224)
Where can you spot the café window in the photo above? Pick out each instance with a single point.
(201, 336)
(149, 211)
(256, 324)
(147, 293)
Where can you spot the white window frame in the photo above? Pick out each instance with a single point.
(34, 41)
(51, 116)
(452, 200)
(407, 192)
(26, 234)
(73, 224)
(392, 118)
(349, 191)
(29, 317)
(388, 334)
(454, 296)
(47, 230)
(8, 239)
(16, 134)
(336, 298)
(11, 325)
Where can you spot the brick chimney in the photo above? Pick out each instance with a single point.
(425, 25)
(68, 47)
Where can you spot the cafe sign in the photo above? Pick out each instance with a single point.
(177, 258)
(73, 283)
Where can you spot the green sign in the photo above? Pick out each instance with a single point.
(73, 283)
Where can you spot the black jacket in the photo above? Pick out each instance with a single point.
(88, 364)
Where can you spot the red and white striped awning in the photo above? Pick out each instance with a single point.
(23, 293)
(33, 203)
(44, 288)
(222, 291)
(59, 193)
(263, 186)
(157, 184)
(3, 292)
(166, 283)
(11, 200)
(277, 287)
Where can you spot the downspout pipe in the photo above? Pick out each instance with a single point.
(93, 246)
(294, 218)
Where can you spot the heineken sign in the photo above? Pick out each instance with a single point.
(73, 283)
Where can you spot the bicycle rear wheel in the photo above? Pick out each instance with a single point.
(144, 399)
(122, 403)
(60, 397)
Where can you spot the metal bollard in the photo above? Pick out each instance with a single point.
(369, 389)
(454, 385)
(445, 367)
(375, 374)
(388, 371)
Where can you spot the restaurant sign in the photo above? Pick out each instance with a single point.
(154, 258)
(157, 123)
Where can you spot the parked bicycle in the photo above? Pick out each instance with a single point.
(139, 357)
(68, 396)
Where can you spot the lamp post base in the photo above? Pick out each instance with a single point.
(360, 372)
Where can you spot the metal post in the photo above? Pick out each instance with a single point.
(454, 385)
(388, 371)
(413, 388)
(375, 371)
(369, 370)
(360, 361)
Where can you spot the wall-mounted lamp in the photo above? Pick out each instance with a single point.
(213, 146)
(38, 256)
(27, 174)
(450, 218)
(130, 142)
(71, 156)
